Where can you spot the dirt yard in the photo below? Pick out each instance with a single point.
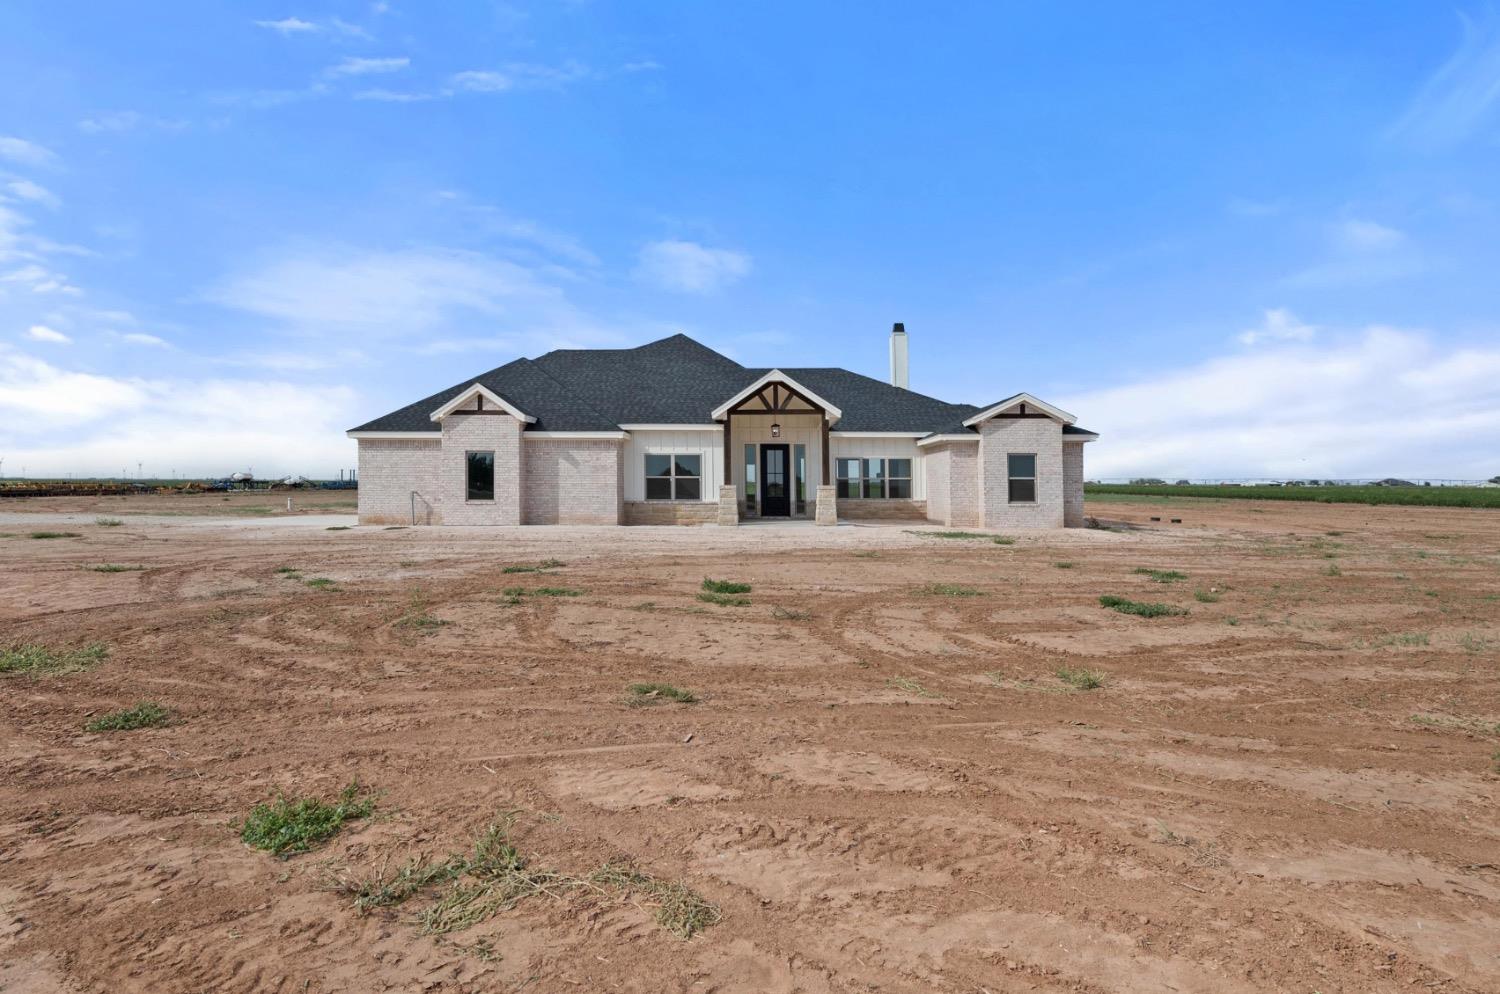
(883, 785)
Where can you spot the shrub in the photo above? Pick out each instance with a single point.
(1205, 597)
(108, 522)
(144, 715)
(286, 827)
(725, 587)
(320, 583)
(1142, 609)
(55, 535)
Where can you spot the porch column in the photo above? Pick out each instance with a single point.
(729, 500)
(826, 510)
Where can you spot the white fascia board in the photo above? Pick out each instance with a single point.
(480, 390)
(776, 376)
(877, 434)
(945, 439)
(1076, 437)
(707, 427)
(533, 434)
(425, 436)
(1018, 399)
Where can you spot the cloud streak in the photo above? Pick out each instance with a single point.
(1376, 402)
(687, 267)
(1461, 99)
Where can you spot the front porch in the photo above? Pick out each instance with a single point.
(777, 457)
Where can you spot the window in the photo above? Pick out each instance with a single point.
(673, 477)
(874, 478)
(847, 474)
(1022, 468)
(750, 479)
(481, 476)
(898, 479)
(799, 464)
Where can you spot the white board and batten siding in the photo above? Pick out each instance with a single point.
(642, 442)
(868, 447)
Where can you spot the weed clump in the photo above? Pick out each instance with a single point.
(114, 568)
(320, 583)
(644, 694)
(724, 600)
(39, 659)
(725, 587)
(789, 613)
(949, 590)
(108, 522)
(679, 909)
(1160, 575)
(286, 827)
(1081, 679)
(1140, 608)
(540, 567)
(146, 714)
(55, 535)
(1205, 597)
(911, 686)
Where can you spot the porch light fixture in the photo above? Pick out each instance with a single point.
(775, 429)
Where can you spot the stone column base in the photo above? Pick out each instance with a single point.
(827, 507)
(729, 506)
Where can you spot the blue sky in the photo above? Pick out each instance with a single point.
(1235, 242)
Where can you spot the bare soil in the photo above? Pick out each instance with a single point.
(1292, 787)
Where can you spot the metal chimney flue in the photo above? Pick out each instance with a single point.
(899, 368)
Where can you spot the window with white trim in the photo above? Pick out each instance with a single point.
(1021, 467)
(873, 478)
(674, 477)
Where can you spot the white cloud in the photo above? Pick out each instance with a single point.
(493, 221)
(289, 26)
(353, 65)
(360, 295)
(25, 189)
(42, 333)
(1277, 325)
(1367, 236)
(64, 422)
(141, 338)
(1461, 99)
(121, 121)
(25, 153)
(393, 96)
(1377, 402)
(39, 279)
(481, 81)
(688, 267)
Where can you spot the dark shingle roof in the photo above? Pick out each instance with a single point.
(672, 381)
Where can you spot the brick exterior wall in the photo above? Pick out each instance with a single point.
(952, 473)
(1073, 484)
(670, 512)
(883, 510)
(464, 433)
(1001, 436)
(572, 482)
(389, 470)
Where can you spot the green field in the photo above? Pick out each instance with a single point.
(1350, 494)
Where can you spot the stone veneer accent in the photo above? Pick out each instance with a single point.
(827, 506)
(1072, 484)
(671, 512)
(572, 482)
(865, 509)
(729, 506)
(1001, 436)
(465, 433)
(389, 470)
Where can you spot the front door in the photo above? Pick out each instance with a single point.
(775, 488)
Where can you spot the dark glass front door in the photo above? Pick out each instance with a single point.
(775, 488)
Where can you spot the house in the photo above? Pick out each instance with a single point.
(675, 433)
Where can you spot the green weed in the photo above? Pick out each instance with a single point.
(114, 568)
(39, 659)
(643, 694)
(286, 827)
(1160, 575)
(108, 522)
(724, 600)
(55, 535)
(144, 715)
(725, 587)
(949, 590)
(1205, 597)
(1140, 608)
(1081, 679)
(540, 567)
(320, 583)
